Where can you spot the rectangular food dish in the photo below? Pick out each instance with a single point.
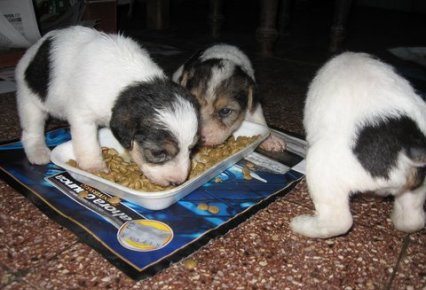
(160, 199)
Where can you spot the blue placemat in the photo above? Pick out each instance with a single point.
(139, 241)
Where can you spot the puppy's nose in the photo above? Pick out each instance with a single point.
(177, 180)
(176, 183)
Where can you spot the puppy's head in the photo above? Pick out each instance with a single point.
(157, 122)
(225, 93)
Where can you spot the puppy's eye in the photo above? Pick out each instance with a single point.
(156, 156)
(160, 154)
(224, 112)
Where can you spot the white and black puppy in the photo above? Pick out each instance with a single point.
(366, 132)
(222, 78)
(94, 79)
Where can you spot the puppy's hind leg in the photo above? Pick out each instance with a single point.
(332, 217)
(32, 119)
(408, 214)
(331, 199)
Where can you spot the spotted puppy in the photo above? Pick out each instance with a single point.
(93, 79)
(222, 79)
(366, 132)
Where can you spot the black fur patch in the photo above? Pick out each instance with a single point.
(133, 116)
(377, 146)
(237, 86)
(37, 74)
(200, 73)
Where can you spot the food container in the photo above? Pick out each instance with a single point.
(160, 199)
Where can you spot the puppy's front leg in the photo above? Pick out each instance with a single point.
(87, 150)
(408, 214)
(272, 143)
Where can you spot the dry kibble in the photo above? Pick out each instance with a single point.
(246, 173)
(127, 173)
(213, 209)
(83, 194)
(72, 163)
(114, 200)
(190, 264)
(250, 165)
(203, 206)
(217, 180)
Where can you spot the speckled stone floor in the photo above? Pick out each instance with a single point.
(262, 252)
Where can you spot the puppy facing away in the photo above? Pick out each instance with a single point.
(222, 78)
(92, 79)
(366, 131)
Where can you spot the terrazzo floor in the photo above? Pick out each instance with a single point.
(262, 252)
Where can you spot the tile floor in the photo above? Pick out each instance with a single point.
(262, 252)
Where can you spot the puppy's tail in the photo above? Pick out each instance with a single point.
(412, 140)
(417, 154)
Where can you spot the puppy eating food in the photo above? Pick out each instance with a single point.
(366, 132)
(125, 172)
(92, 79)
(222, 79)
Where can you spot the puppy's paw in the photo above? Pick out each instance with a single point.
(93, 166)
(38, 154)
(313, 227)
(273, 143)
(409, 221)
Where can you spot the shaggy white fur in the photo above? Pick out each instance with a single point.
(85, 73)
(350, 93)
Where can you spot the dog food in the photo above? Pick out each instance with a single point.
(190, 264)
(203, 206)
(213, 209)
(127, 173)
(210, 208)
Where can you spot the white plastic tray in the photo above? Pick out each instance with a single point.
(159, 199)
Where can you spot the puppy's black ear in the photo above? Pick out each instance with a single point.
(123, 126)
(417, 154)
(183, 79)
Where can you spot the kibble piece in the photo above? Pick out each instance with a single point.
(83, 194)
(213, 209)
(203, 206)
(114, 200)
(246, 173)
(190, 264)
(72, 163)
(250, 165)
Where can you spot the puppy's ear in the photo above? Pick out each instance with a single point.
(252, 100)
(183, 79)
(123, 126)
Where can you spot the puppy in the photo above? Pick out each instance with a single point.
(93, 79)
(222, 79)
(366, 131)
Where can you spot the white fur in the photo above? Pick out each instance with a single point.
(353, 89)
(89, 70)
(231, 53)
